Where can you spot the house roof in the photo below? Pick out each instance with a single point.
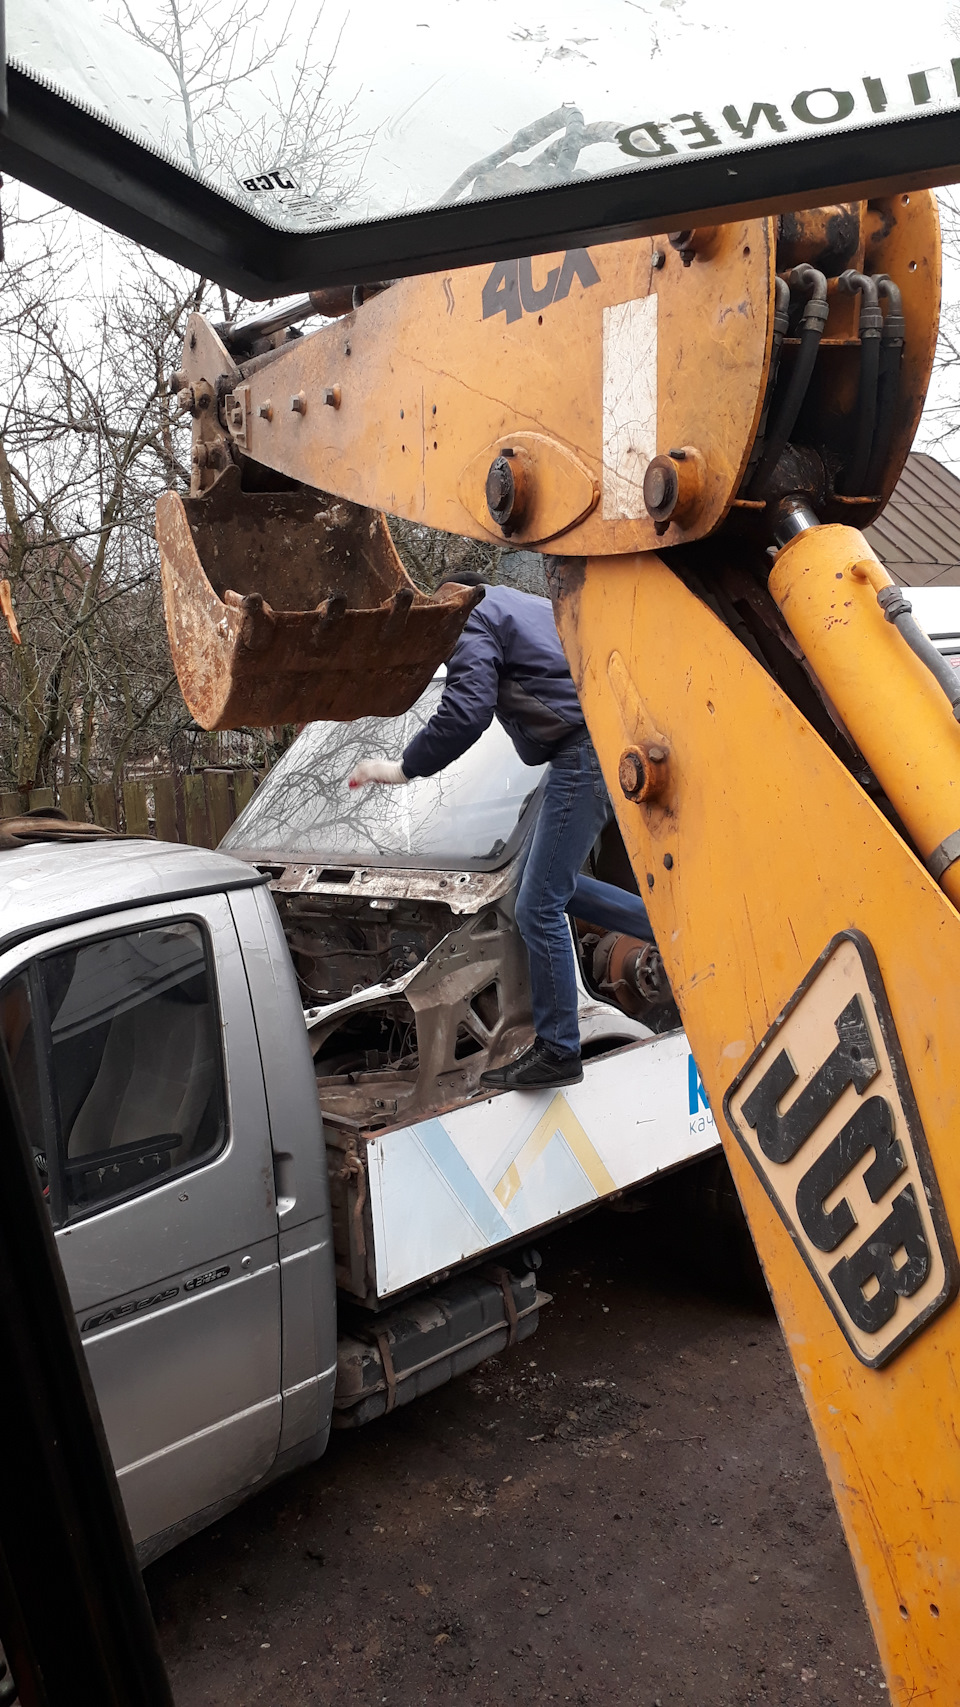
(918, 535)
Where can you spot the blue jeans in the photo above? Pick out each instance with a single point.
(573, 811)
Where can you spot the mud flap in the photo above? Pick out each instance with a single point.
(287, 607)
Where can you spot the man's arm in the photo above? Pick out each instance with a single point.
(467, 704)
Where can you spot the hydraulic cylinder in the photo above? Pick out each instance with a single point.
(826, 582)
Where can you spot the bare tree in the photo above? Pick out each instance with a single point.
(86, 439)
(251, 109)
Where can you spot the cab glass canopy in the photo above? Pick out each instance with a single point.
(282, 147)
(473, 816)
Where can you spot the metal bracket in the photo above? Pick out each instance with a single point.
(237, 409)
(944, 855)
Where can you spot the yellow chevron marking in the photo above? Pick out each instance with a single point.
(559, 1117)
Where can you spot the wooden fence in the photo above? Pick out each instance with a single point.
(196, 807)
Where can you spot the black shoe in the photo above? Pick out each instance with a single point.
(536, 1069)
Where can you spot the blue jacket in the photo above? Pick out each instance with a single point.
(508, 663)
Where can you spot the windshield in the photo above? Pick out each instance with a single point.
(472, 816)
(314, 115)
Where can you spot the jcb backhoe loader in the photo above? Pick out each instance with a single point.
(694, 429)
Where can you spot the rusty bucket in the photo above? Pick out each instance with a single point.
(287, 607)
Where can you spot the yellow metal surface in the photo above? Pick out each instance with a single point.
(825, 582)
(609, 353)
(757, 850)
(561, 490)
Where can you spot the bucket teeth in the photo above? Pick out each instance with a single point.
(332, 609)
(284, 607)
(401, 602)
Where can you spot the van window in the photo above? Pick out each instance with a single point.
(18, 1031)
(127, 1035)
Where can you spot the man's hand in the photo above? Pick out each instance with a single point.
(376, 770)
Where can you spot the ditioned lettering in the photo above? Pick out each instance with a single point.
(919, 87)
(654, 138)
(843, 106)
(759, 110)
(876, 94)
(696, 126)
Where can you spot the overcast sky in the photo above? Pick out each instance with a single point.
(439, 84)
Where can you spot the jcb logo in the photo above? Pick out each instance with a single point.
(827, 1090)
(269, 181)
(510, 289)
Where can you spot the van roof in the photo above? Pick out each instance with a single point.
(47, 885)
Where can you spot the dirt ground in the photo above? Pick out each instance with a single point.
(628, 1509)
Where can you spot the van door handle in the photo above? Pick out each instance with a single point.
(285, 1184)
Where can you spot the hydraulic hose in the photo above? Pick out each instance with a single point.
(869, 329)
(781, 320)
(812, 321)
(888, 383)
(898, 610)
(331, 303)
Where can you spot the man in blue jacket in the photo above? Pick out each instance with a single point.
(508, 663)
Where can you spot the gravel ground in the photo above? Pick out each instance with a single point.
(627, 1509)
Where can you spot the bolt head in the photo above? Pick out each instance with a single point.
(501, 490)
(630, 772)
(661, 488)
(656, 488)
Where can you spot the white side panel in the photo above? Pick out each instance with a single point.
(448, 1189)
(629, 405)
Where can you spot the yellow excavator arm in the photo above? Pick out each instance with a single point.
(693, 429)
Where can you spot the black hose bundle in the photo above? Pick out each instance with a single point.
(888, 384)
(812, 321)
(854, 478)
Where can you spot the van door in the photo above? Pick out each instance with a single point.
(136, 1057)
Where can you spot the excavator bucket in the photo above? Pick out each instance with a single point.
(288, 607)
